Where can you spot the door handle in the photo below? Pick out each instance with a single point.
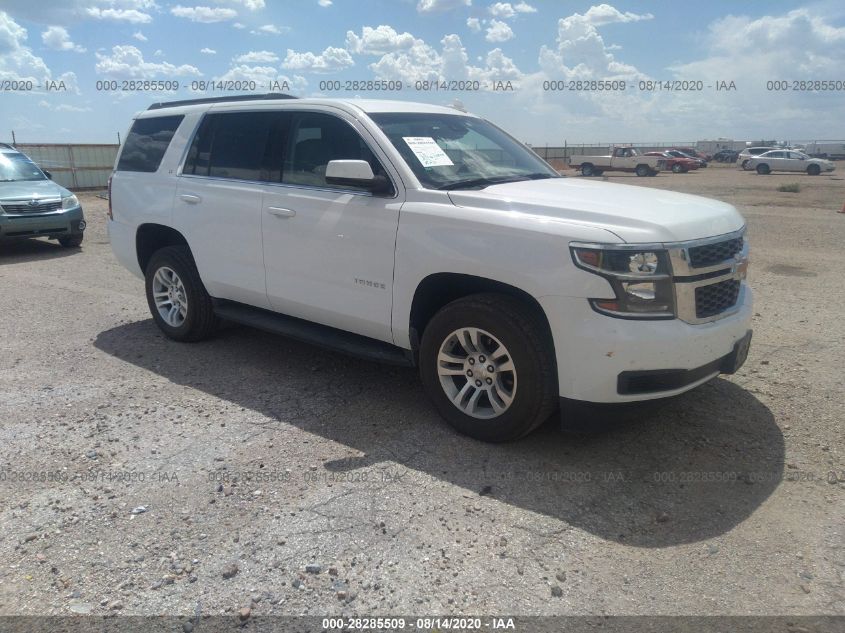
(190, 198)
(279, 212)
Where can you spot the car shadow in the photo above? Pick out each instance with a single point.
(34, 249)
(688, 470)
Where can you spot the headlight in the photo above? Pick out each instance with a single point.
(641, 280)
(70, 202)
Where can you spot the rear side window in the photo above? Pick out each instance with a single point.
(147, 142)
(235, 145)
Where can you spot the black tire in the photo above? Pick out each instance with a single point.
(71, 241)
(587, 169)
(653, 172)
(814, 170)
(598, 172)
(763, 169)
(677, 168)
(524, 333)
(200, 320)
(642, 170)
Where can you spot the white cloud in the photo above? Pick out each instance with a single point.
(378, 41)
(507, 10)
(139, 36)
(606, 14)
(133, 16)
(330, 60)
(498, 31)
(206, 15)
(324, 3)
(57, 38)
(474, 25)
(208, 51)
(16, 59)
(127, 62)
(266, 29)
(63, 107)
(252, 5)
(423, 62)
(257, 57)
(434, 6)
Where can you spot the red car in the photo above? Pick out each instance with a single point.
(676, 164)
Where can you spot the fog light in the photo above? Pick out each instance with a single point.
(82, 225)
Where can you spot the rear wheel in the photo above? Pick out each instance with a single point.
(763, 169)
(178, 301)
(814, 170)
(677, 168)
(642, 170)
(587, 169)
(487, 363)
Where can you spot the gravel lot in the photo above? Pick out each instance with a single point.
(250, 471)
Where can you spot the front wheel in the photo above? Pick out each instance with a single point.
(178, 301)
(677, 168)
(814, 170)
(487, 362)
(72, 241)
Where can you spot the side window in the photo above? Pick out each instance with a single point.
(147, 142)
(239, 145)
(316, 139)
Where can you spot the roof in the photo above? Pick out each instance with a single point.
(360, 105)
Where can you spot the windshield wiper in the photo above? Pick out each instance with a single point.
(486, 182)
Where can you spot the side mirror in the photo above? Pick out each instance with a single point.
(356, 173)
(48, 174)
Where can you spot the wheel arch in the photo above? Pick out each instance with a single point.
(439, 289)
(151, 237)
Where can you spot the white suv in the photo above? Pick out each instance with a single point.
(421, 235)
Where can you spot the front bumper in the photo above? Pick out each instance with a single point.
(57, 224)
(593, 350)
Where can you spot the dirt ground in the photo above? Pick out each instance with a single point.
(141, 476)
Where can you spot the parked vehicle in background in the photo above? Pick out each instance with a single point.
(679, 154)
(32, 205)
(691, 151)
(825, 150)
(751, 152)
(726, 156)
(675, 164)
(424, 236)
(787, 160)
(619, 159)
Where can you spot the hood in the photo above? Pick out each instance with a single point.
(31, 189)
(635, 214)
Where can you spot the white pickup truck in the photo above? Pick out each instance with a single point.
(424, 236)
(620, 159)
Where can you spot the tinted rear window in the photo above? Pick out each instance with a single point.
(147, 142)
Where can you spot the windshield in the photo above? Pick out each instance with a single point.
(18, 167)
(447, 151)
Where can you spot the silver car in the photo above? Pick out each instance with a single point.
(788, 160)
(32, 205)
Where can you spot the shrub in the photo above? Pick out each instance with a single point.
(792, 187)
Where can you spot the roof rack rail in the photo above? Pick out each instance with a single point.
(185, 102)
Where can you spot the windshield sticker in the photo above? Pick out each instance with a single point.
(427, 151)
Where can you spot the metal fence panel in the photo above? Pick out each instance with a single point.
(75, 166)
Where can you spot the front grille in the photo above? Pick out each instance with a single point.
(711, 254)
(21, 208)
(716, 298)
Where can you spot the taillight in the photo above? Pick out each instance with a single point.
(111, 215)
